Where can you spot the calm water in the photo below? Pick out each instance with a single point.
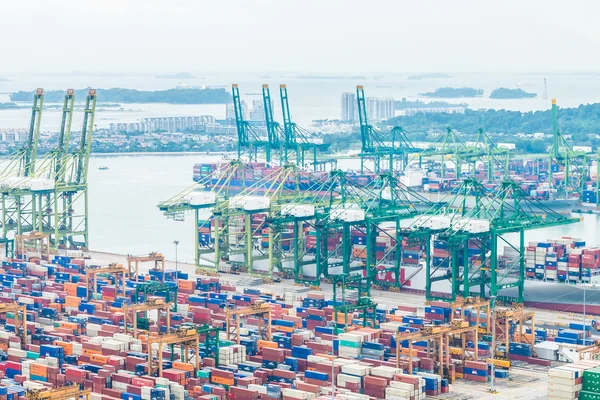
(124, 217)
(123, 213)
(309, 98)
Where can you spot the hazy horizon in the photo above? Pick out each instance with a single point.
(298, 36)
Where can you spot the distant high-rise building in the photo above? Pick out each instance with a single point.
(372, 107)
(349, 107)
(385, 108)
(379, 108)
(230, 111)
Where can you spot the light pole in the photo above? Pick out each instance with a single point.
(492, 318)
(176, 243)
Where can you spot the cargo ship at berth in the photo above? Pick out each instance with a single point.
(215, 176)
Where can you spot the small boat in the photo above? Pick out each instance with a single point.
(103, 168)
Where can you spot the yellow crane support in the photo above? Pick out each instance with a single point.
(436, 334)
(61, 393)
(20, 322)
(259, 309)
(151, 304)
(157, 258)
(473, 303)
(41, 240)
(517, 316)
(187, 338)
(117, 270)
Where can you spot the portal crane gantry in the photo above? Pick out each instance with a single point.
(61, 393)
(154, 257)
(438, 340)
(150, 305)
(189, 338)
(20, 321)
(259, 309)
(116, 270)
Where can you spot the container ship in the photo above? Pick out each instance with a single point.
(530, 174)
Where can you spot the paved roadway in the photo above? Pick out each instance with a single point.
(390, 299)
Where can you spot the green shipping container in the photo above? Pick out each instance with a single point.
(202, 374)
(591, 380)
(346, 343)
(587, 395)
(32, 355)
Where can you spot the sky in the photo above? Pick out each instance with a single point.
(311, 36)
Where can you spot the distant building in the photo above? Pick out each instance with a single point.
(386, 108)
(431, 110)
(14, 135)
(349, 108)
(230, 111)
(380, 108)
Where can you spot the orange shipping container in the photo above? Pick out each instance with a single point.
(265, 343)
(185, 284)
(67, 346)
(38, 370)
(221, 381)
(71, 288)
(183, 366)
(99, 358)
(72, 301)
(90, 352)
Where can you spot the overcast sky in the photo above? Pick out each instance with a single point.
(332, 36)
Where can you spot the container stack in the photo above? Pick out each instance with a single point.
(567, 382)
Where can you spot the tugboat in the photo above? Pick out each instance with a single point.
(103, 168)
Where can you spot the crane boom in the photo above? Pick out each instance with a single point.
(271, 133)
(34, 133)
(362, 116)
(288, 125)
(239, 119)
(64, 135)
(85, 143)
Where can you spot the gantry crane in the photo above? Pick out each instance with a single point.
(149, 288)
(438, 343)
(474, 217)
(60, 393)
(20, 321)
(395, 145)
(364, 302)
(189, 338)
(42, 242)
(16, 204)
(563, 155)
(274, 131)
(51, 197)
(259, 309)
(116, 270)
(511, 321)
(297, 143)
(150, 305)
(154, 257)
(250, 139)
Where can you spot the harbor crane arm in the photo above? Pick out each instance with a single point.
(34, 133)
(64, 135)
(85, 141)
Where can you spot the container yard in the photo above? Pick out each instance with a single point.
(309, 282)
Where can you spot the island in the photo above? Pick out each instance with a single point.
(404, 104)
(506, 93)
(436, 75)
(179, 75)
(328, 77)
(119, 95)
(10, 106)
(453, 93)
